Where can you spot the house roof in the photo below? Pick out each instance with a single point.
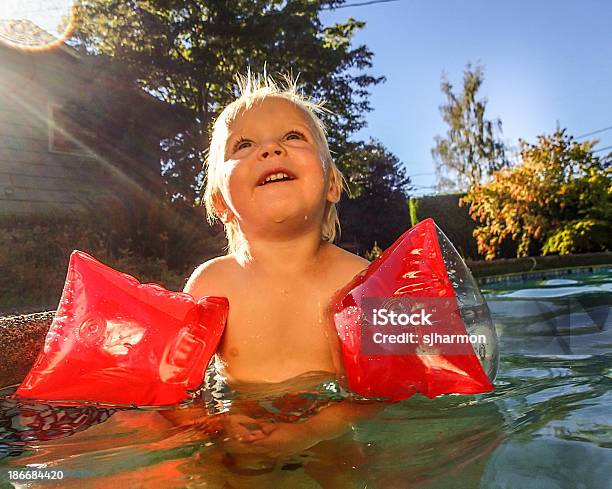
(100, 77)
(25, 34)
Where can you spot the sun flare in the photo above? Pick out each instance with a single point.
(35, 25)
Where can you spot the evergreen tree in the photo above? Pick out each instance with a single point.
(379, 213)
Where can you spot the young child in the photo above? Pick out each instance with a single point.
(272, 182)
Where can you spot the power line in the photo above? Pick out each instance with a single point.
(602, 149)
(421, 174)
(421, 186)
(361, 4)
(594, 132)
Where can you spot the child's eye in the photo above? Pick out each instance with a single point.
(295, 133)
(241, 144)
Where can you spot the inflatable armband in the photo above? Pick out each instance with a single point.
(115, 341)
(435, 336)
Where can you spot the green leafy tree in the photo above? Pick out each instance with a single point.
(187, 52)
(558, 200)
(471, 150)
(379, 213)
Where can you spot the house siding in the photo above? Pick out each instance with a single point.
(33, 178)
(121, 126)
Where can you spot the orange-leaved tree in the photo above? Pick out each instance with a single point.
(559, 197)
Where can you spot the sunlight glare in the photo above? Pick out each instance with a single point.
(35, 25)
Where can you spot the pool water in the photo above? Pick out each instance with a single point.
(547, 425)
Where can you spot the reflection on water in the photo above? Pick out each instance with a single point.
(547, 425)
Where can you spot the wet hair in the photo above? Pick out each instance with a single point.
(255, 89)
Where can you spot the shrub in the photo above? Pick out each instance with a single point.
(558, 200)
(154, 247)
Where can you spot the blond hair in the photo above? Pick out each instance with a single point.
(252, 90)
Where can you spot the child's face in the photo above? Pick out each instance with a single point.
(274, 140)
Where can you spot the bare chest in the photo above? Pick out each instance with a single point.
(277, 330)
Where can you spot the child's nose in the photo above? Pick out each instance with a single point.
(271, 148)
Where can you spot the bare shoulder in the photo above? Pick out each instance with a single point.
(211, 277)
(345, 263)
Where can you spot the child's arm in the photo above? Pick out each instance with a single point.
(330, 423)
(339, 418)
(232, 426)
(207, 280)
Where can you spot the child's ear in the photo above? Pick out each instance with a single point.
(222, 210)
(335, 190)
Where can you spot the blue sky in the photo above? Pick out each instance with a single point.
(544, 61)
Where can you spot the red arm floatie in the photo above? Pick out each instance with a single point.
(421, 268)
(115, 341)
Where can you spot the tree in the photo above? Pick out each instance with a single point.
(470, 151)
(559, 199)
(379, 214)
(187, 52)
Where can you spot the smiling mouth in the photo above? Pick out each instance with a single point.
(276, 178)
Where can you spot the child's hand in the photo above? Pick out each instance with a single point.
(239, 433)
(285, 439)
(238, 427)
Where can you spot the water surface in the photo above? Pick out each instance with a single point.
(547, 425)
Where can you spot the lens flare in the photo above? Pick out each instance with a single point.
(35, 25)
